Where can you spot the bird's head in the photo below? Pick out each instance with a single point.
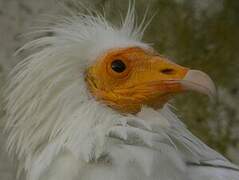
(128, 78)
(82, 73)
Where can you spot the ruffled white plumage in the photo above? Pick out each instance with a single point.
(57, 130)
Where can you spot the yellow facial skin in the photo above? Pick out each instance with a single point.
(145, 79)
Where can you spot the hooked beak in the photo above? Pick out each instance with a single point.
(199, 81)
(175, 78)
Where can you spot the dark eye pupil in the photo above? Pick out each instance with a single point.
(118, 65)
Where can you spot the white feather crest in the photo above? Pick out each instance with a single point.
(46, 91)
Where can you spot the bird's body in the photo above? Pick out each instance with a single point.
(66, 119)
(168, 151)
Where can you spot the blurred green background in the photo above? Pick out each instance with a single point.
(201, 34)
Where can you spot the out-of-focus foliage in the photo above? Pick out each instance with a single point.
(201, 34)
(1, 91)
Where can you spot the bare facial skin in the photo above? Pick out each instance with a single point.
(126, 79)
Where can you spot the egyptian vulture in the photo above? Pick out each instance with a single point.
(90, 102)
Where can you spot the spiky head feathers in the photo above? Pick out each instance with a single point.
(46, 97)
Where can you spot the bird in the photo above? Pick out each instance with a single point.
(91, 101)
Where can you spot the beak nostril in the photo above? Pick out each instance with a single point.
(167, 71)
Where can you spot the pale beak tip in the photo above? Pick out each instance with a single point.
(199, 81)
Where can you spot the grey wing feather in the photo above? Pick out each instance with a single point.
(202, 161)
(213, 170)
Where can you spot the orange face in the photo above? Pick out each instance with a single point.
(125, 79)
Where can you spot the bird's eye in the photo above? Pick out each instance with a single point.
(118, 66)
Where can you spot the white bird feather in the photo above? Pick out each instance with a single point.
(57, 130)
